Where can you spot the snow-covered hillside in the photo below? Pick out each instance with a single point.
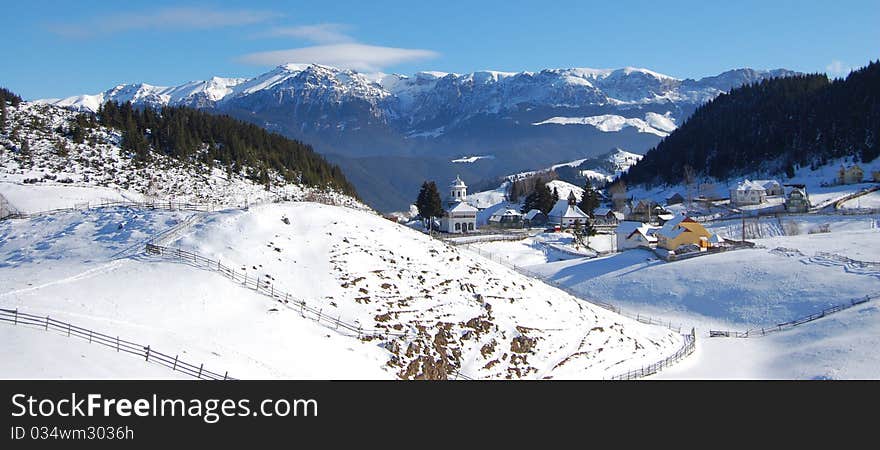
(461, 312)
(57, 172)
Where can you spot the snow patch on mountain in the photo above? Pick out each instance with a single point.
(660, 125)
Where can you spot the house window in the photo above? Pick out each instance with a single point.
(457, 226)
(470, 227)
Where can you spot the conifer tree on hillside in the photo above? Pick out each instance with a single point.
(541, 199)
(184, 133)
(773, 126)
(428, 202)
(590, 200)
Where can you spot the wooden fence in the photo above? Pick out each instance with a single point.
(169, 206)
(690, 344)
(266, 287)
(475, 239)
(150, 354)
(793, 323)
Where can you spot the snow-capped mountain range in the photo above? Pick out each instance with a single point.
(430, 101)
(405, 124)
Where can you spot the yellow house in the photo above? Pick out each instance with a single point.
(850, 175)
(683, 230)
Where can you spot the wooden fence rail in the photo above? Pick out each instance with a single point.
(164, 205)
(265, 287)
(756, 332)
(690, 344)
(147, 352)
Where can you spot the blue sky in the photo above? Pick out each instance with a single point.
(58, 50)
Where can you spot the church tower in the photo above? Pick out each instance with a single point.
(457, 190)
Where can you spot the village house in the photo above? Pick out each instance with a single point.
(633, 234)
(459, 216)
(607, 216)
(675, 199)
(644, 211)
(535, 218)
(850, 175)
(683, 230)
(564, 214)
(748, 193)
(507, 218)
(772, 187)
(797, 200)
(875, 175)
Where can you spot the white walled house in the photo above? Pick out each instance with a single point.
(772, 187)
(748, 193)
(459, 217)
(632, 234)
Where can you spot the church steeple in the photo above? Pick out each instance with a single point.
(457, 190)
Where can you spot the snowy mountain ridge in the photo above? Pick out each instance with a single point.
(426, 96)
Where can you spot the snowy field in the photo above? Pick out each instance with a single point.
(462, 311)
(841, 346)
(43, 197)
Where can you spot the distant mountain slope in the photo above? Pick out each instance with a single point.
(571, 176)
(775, 125)
(525, 120)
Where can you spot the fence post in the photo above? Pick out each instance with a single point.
(47, 323)
(337, 322)
(174, 367)
(117, 343)
(225, 375)
(200, 371)
(302, 309)
(319, 314)
(16, 317)
(90, 336)
(68, 330)
(148, 353)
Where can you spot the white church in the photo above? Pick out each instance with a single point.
(459, 216)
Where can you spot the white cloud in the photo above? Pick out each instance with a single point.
(322, 33)
(356, 56)
(168, 18)
(837, 69)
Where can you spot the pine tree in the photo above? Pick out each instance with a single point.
(428, 202)
(555, 195)
(2, 114)
(544, 199)
(590, 200)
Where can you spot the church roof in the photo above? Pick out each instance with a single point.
(457, 183)
(462, 207)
